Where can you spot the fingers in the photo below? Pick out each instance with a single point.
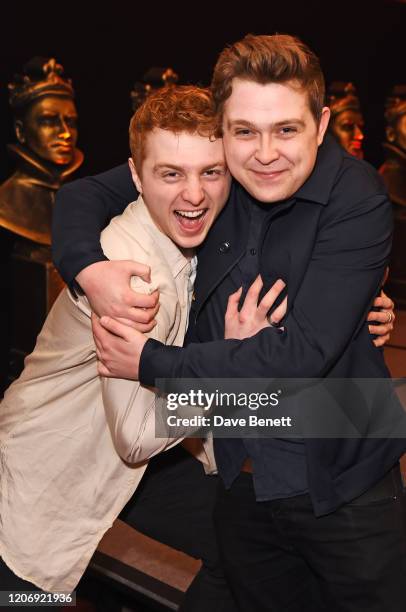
(251, 299)
(145, 328)
(269, 299)
(138, 269)
(385, 317)
(141, 327)
(383, 301)
(279, 312)
(97, 329)
(380, 330)
(103, 370)
(128, 322)
(381, 340)
(133, 299)
(139, 308)
(141, 315)
(232, 305)
(117, 328)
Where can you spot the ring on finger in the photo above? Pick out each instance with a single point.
(390, 318)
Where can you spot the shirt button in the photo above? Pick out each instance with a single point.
(253, 251)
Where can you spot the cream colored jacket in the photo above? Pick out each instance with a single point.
(74, 446)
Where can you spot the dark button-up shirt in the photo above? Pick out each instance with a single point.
(279, 465)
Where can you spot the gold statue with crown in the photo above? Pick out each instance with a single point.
(45, 122)
(45, 155)
(346, 122)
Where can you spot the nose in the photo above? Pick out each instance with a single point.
(64, 130)
(266, 152)
(359, 134)
(194, 192)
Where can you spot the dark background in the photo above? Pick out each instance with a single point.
(105, 50)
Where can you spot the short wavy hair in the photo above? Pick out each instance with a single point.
(269, 59)
(183, 108)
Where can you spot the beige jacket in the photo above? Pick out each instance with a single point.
(74, 446)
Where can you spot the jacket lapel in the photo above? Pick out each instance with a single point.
(223, 247)
(304, 232)
(287, 247)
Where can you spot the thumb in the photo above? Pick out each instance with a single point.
(134, 268)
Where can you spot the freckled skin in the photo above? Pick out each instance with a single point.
(183, 172)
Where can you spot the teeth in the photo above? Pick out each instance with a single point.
(192, 214)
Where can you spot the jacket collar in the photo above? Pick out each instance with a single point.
(318, 186)
(38, 171)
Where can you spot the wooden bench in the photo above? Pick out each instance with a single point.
(142, 568)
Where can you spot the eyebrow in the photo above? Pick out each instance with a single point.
(181, 169)
(51, 113)
(278, 124)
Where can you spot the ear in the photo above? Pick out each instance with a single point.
(19, 130)
(324, 119)
(135, 177)
(390, 134)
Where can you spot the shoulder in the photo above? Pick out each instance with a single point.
(358, 191)
(128, 237)
(125, 236)
(357, 181)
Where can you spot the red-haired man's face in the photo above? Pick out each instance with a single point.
(185, 183)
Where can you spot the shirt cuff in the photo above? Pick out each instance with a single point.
(157, 361)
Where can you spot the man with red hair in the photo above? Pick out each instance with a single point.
(74, 447)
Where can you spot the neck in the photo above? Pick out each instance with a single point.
(187, 253)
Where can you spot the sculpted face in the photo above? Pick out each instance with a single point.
(271, 138)
(397, 134)
(184, 182)
(348, 128)
(49, 128)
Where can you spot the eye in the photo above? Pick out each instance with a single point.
(243, 132)
(288, 130)
(213, 173)
(347, 127)
(71, 122)
(171, 176)
(47, 121)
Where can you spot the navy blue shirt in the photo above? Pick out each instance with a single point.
(279, 464)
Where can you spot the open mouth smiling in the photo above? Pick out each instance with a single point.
(191, 219)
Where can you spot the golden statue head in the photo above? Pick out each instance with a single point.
(153, 79)
(45, 116)
(346, 122)
(395, 117)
